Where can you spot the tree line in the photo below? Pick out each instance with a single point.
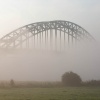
(73, 79)
(67, 79)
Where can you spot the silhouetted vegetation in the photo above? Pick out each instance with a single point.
(68, 79)
(71, 79)
(12, 83)
(29, 84)
(95, 83)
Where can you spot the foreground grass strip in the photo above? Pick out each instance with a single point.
(70, 93)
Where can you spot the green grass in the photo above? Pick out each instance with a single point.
(70, 93)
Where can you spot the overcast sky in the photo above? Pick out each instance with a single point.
(16, 13)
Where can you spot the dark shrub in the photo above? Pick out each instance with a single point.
(71, 79)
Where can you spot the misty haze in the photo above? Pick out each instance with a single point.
(38, 65)
(50, 49)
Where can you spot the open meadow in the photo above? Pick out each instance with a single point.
(69, 93)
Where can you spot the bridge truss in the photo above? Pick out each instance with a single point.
(48, 34)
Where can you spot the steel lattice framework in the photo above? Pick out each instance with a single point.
(17, 37)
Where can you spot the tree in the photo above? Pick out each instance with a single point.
(71, 79)
(12, 83)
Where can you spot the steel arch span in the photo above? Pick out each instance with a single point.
(42, 33)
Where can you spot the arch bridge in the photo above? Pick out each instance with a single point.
(48, 34)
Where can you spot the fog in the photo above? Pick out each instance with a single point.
(41, 65)
(44, 65)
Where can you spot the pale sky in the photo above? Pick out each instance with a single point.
(17, 13)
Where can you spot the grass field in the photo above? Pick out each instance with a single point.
(70, 93)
